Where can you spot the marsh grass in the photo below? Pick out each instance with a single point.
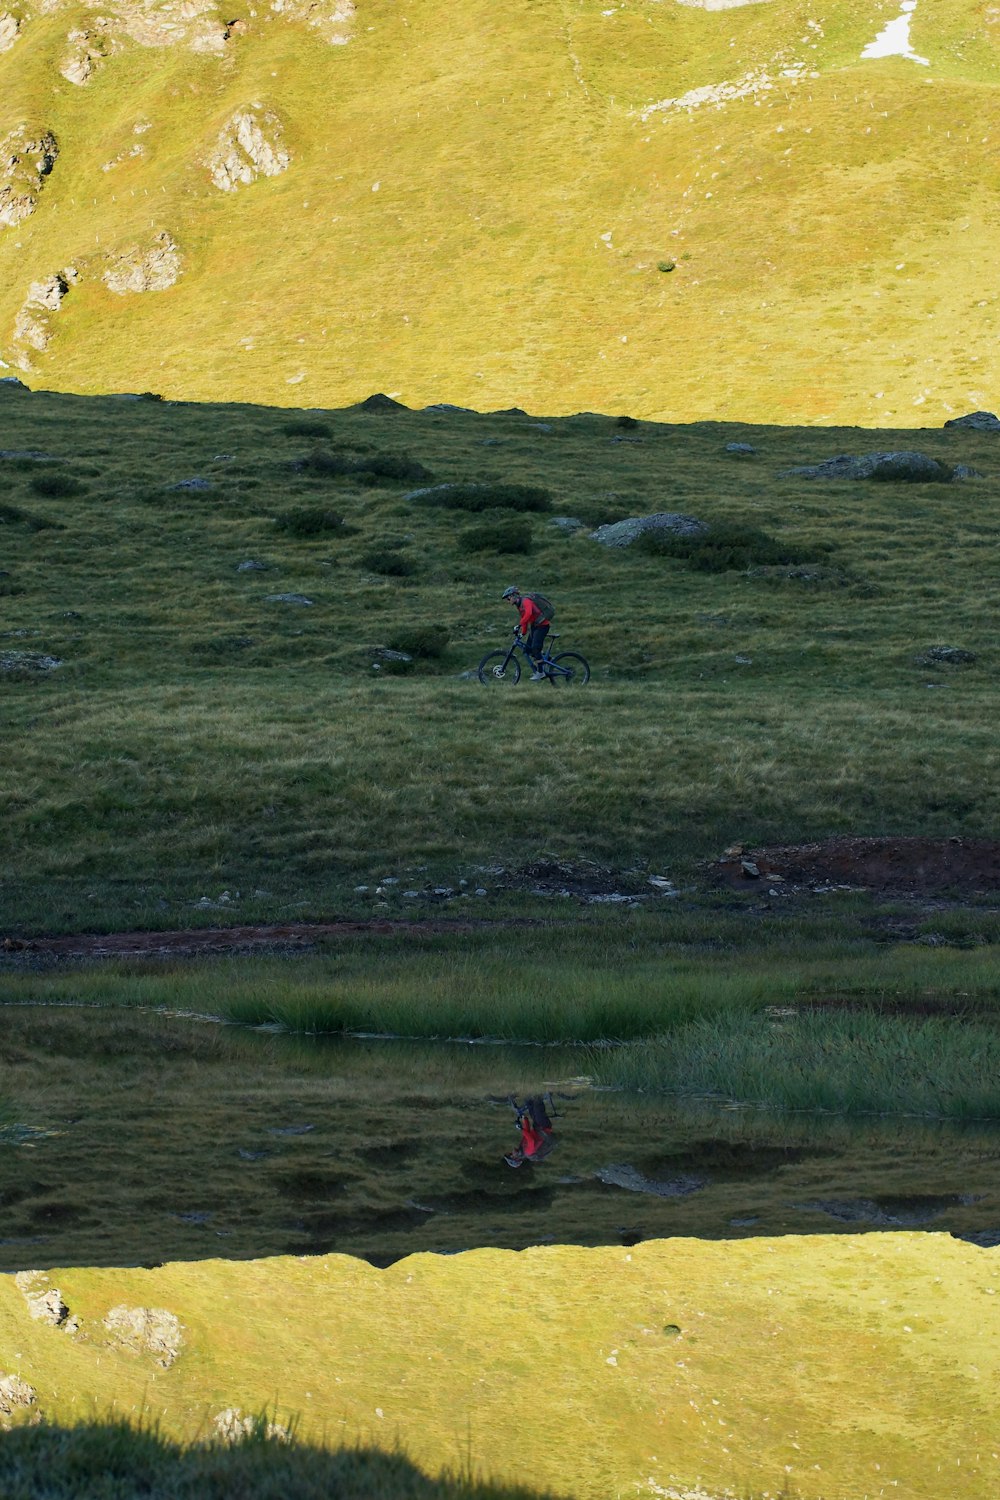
(864, 1062)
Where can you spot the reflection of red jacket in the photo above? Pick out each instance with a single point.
(530, 615)
(534, 1142)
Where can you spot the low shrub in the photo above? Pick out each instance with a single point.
(425, 642)
(370, 469)
(313, 520)
(389, 561)
(497, 536)
(306, 429)
(13, 515)
(726, 547)
(487, 496)
(55, 486)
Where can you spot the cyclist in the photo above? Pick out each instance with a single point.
(534, 625)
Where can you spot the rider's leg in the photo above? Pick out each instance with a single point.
(533, 650)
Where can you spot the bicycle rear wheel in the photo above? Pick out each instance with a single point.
(500, 669)
(574, 670)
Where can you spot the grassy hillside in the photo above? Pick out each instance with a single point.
(202, 734)
(825, 1367)
(485, 207)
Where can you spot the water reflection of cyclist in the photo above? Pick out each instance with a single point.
(537, 1130)
(534, 625)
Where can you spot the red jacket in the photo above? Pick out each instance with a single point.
(530, 615)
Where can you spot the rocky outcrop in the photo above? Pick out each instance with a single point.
(979, 421)
(187, 23)
(31, 326)
(147, 1330)
(88, 48)
(249, 146)
(16, 1396)
(26, 159)
(907, 467)
(10, 30)
(144, 268)
(45, 1302)
(331, 18)
(624, 533)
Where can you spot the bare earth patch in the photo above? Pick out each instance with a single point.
(917, 867)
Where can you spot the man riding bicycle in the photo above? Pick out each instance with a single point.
(536, 620)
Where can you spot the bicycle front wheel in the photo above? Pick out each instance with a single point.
(571, 670)
(500, 669)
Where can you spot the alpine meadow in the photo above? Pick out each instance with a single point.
(426, 1074)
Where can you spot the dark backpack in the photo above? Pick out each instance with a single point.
(546, 606)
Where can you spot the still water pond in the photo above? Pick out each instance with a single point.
(135, 1138)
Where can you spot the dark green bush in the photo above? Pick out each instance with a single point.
(425, 642)
(726, 547)
(497, 536)
(55, 486)
(13, 515)
(305, 429)
(371, 469)
(488, 496)
(312, 520)
(389, 561)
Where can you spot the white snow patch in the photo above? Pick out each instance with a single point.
(894, 39)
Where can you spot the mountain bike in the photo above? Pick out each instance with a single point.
(568, 669)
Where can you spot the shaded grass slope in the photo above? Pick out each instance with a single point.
(200, 699)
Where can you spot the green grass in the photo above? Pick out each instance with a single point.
(200, 736)
(476, 213)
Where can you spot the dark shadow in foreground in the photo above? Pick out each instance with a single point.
(116, 1461)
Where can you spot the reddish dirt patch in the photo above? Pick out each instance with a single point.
(913, 867)
(195, 940)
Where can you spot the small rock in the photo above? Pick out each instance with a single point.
(750, 869)
(197, 483)
(906, 467)
(45, 1302)
(567, 524)
(287, 599)
(16, 1395)
(252, 565)
(946, 656)
(743, 448)
(147, 1330)
(624, 533)
(966, 471)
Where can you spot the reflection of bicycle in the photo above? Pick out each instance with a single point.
(568, 669)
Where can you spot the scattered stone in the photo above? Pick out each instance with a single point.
(45, 1302)
(331, 18)
(624, 533)
(905, 467)
(26, 160)
(147, 1330)
(291, 1129)
(625, 437)
(29, 453)
(197, 483)
(150, 268)
(743, 448)
(979, 421)
(663, 886)
(567, 524)
(287, 599)
(946, 656)
(253, 565)
(16, 1397)
(231, 1426)
(88, 49)
(966, 471)
(26, 663)
(446, 406)
(249, 146)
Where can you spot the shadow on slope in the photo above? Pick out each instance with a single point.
(115, 1461)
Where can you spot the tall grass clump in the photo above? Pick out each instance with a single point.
(860, 1062)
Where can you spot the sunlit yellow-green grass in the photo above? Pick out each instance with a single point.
(201, 735)
(489, 210)
(831, 1367)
